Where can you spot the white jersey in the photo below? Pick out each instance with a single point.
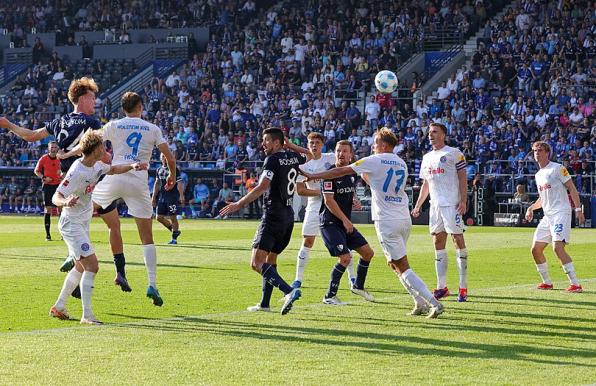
(316, 166)
(550, 181)
(439, 168)
(387, 175)
(133, 140)
(80, 180)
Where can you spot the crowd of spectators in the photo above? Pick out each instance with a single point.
(302, 67)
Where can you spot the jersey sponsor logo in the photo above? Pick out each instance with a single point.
(438, 170)
(327, 185)
(544, 187)
(349, 189)
(85, 247)
(392, 199)
(443, 159)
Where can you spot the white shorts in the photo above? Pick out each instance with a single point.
(133, 189)
(393, 236)
(445, 219)
(310, 226)
(553, 228)
(76, 237)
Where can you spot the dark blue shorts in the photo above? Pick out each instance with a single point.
(274, 233)
(338, 242)
(167, 208)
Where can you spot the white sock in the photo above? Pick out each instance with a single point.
(441, 261)
(419, 287)
(350, 268)
(71, 281)
(418, 301)
(86, 292)
(301, 261)
(150, 255)
(462, 265)
(570, 272)
(543, 271)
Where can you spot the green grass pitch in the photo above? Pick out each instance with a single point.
(508, 333)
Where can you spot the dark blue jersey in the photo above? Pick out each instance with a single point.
(68, 131)
(167, 196)
(281, 169)
(343, 189)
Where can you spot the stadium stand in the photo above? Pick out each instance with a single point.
(307, 66)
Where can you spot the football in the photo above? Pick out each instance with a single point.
(386, 82)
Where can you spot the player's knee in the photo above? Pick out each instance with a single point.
(559, 247)
(536, 251)
(344, 259)
(255, 266)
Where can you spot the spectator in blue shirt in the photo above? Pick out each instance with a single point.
(200, 196)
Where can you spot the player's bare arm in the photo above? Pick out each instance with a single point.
(302, 190)
(59, 200)
(530, 211)
(463, 191)
(250, 197)
(120, 169)
(421, 198)
(156, 187)
(329, 174)
(26, 134)
(171, 161)
(298, 149)
(576, 201)
(180, 187)
(331, 204)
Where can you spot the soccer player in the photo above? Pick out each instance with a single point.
(68, 131)
(443, 171)
(339, 234)
(167, 201)
(74, 194)
(48, 170)
(317, 162)
(133, 139)
(386, 173)
(553, 182)
(278, 184)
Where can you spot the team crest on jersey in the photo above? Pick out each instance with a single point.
(443, 159)
(84, 247)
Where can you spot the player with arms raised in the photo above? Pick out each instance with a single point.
(553, 182)
(443, 171)
(317, 162)
(386, 173)
(74, 194)
(278, 184)
(339, 234)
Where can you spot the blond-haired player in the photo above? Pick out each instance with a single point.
(553, 182)
(74, 195)
(443, 171)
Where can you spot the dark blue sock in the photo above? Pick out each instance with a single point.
(361, 273)
(336, 274)
(267, 291)
(270, 274)
(120, 263)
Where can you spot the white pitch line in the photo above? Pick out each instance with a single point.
(235, 313)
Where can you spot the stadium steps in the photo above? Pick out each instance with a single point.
(9, 74)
